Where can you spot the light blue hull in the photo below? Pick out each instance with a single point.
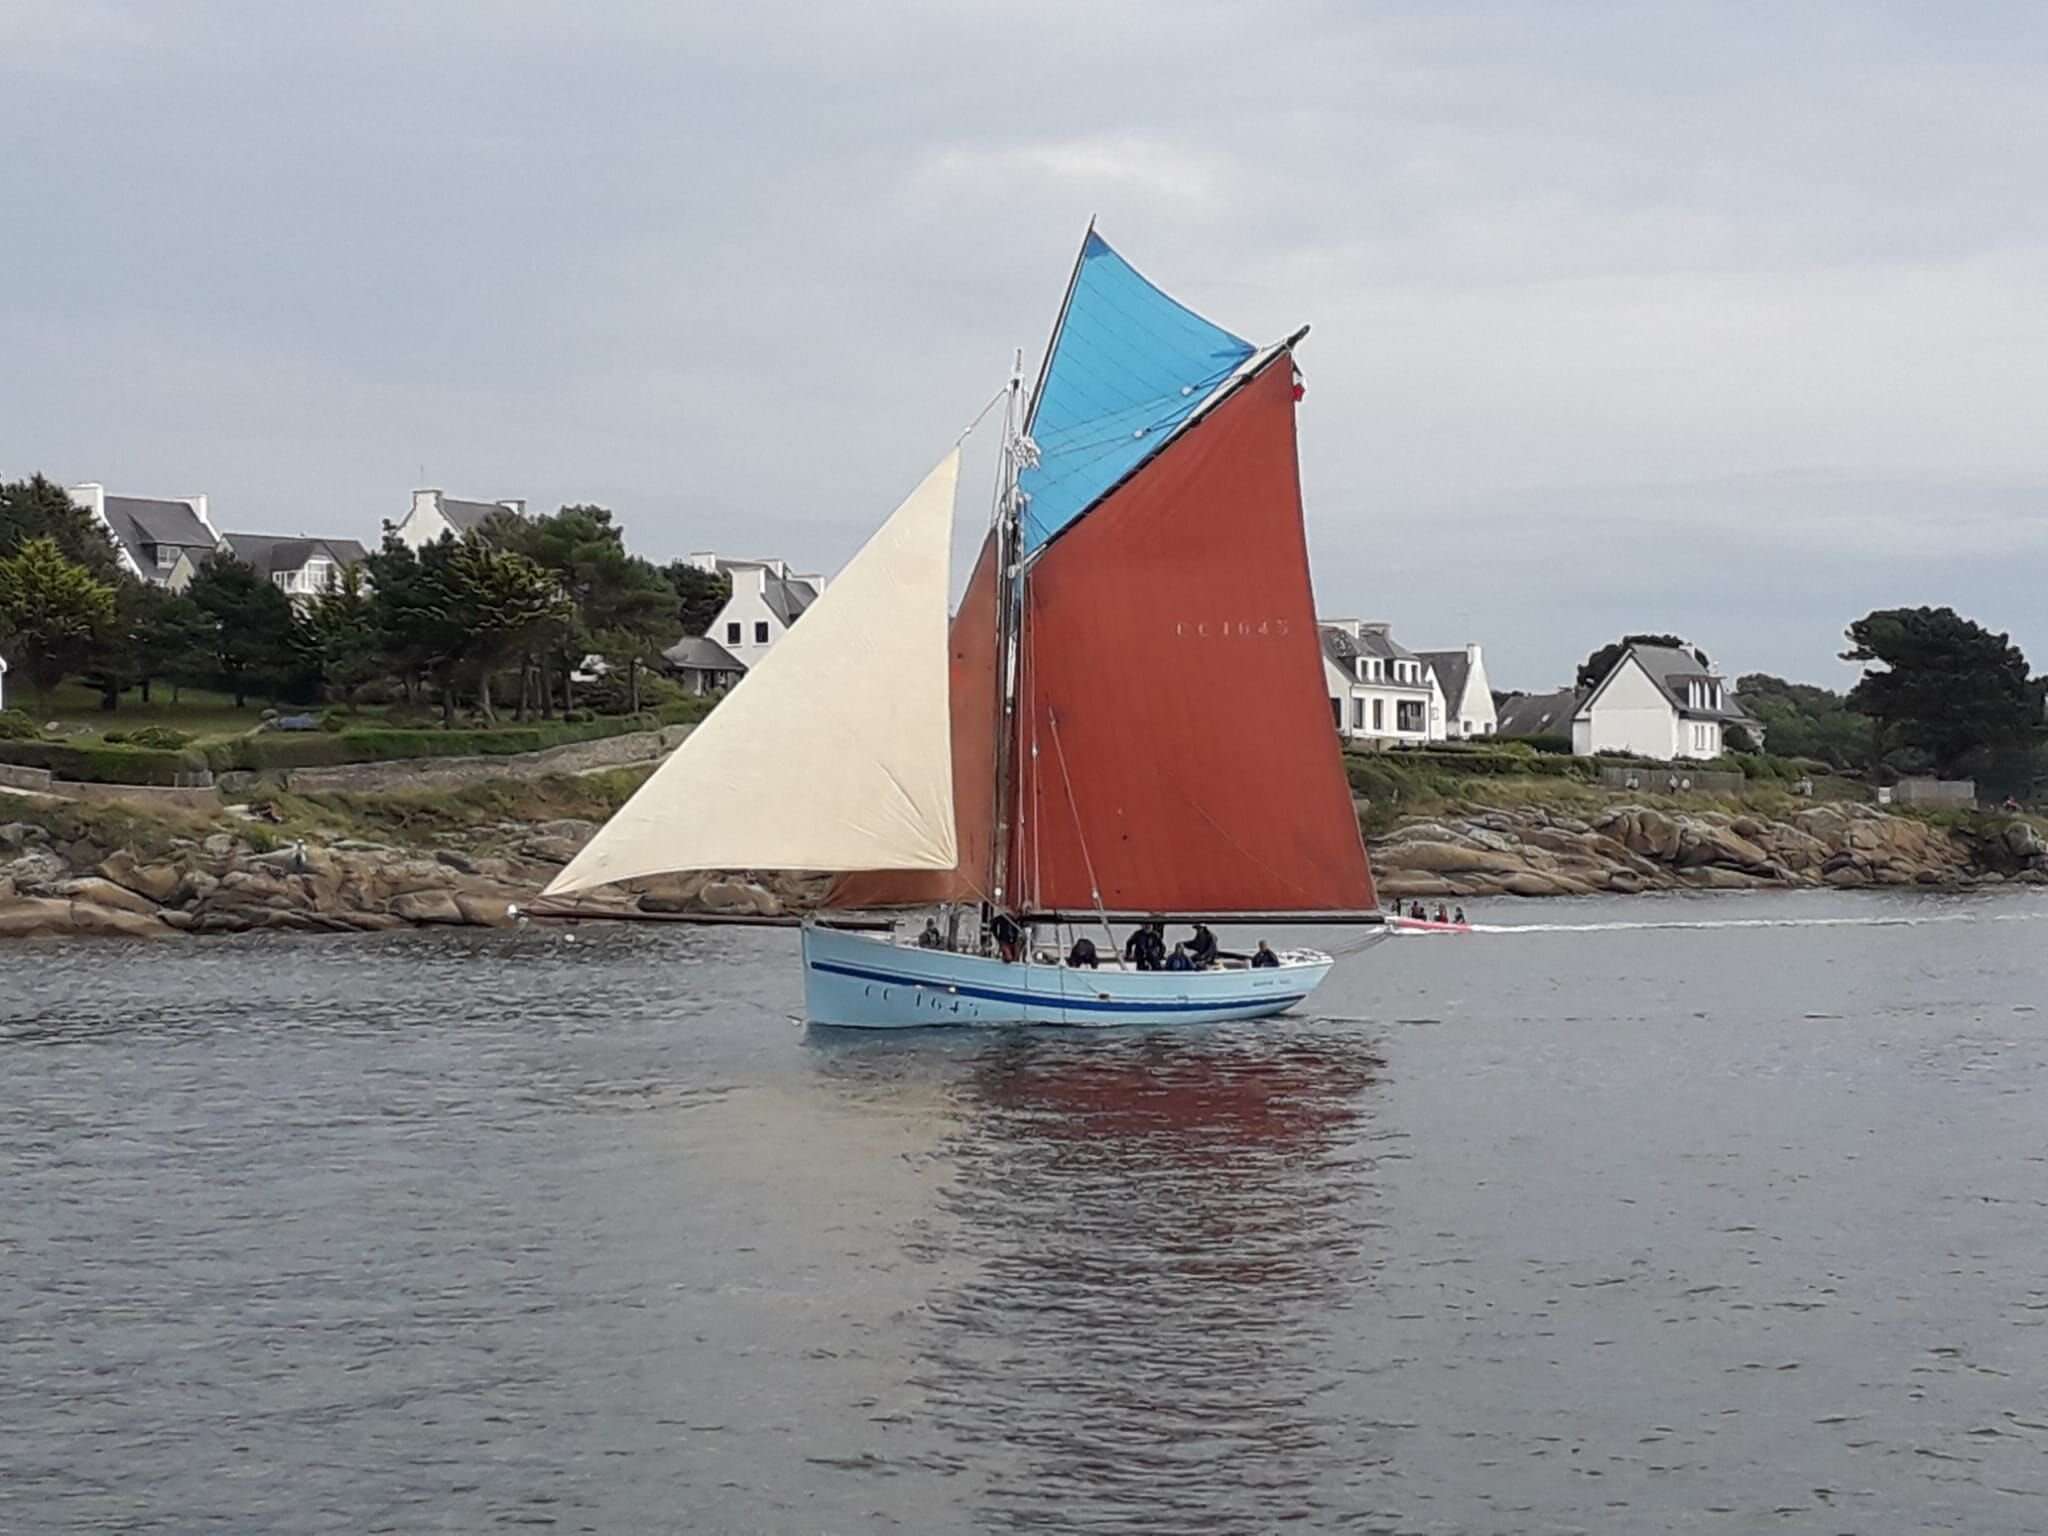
(867, 982)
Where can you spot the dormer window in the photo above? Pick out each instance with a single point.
(166, 556)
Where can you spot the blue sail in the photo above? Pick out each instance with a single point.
(1128, 365)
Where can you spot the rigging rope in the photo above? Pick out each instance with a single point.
(981, 415)
(1081, 837)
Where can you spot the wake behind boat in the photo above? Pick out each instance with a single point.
(1124, 722)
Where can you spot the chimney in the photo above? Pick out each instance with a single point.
(1472, 655)
(1378, 627)
(426, 501)
(516, 505)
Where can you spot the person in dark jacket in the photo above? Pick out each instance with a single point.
(1008, 935)
(1146, 948)
(1082, 956)
(1202, 948)
(1178, 960)
(931, 938)
(1264, 957)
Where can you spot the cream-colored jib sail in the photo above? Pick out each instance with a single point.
(835, 751)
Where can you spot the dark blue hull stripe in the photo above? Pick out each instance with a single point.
(1052, 1000)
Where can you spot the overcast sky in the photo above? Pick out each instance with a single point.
(1725, 319)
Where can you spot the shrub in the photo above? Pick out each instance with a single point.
(16, 726)
(384, 743)
(160, 736)
(117, 764)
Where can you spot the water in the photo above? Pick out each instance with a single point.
(1601, 1228)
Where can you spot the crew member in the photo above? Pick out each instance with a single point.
(1008, 936)
(1264, 957)
(1458, 916)
(1082, 955)
(1202, 948)
(931, 938)
(1146, 947)
(1178, 960)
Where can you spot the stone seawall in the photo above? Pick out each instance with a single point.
(455, 772)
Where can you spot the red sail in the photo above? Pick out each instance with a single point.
(973, 693)
(1175, 740)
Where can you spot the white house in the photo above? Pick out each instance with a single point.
(151, 533)
(1468, 697)
(434, 513)
(301, 567)
(766, 599)
(1661, 702)
(1381, 693)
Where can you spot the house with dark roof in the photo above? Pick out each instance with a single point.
(434, 513)
(300, 566)
(1381, 693)
(1662, 702)
(1527, 715)
(702, 665)
(767, 597)
(151, 533)
(1468, 697)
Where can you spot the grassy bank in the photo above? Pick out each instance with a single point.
(161, 753)
(405, 818)
(423, 816)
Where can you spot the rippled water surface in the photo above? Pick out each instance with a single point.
(1604, 1229)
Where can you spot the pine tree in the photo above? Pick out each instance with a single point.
(52, 612)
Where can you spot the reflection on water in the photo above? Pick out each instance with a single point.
(1164, 1225)
(1163, 1231)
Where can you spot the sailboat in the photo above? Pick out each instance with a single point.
(1124, 721)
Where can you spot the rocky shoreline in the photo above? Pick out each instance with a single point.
(1625, 849)
(230, 881)
(225, 882)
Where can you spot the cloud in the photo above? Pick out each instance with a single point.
(1623, 317)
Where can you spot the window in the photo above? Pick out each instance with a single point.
(1337, 712)
(1379, 714)
(732, 634)
(760, 631)
(1358, 714)
(1408, 715)
(166, 556)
